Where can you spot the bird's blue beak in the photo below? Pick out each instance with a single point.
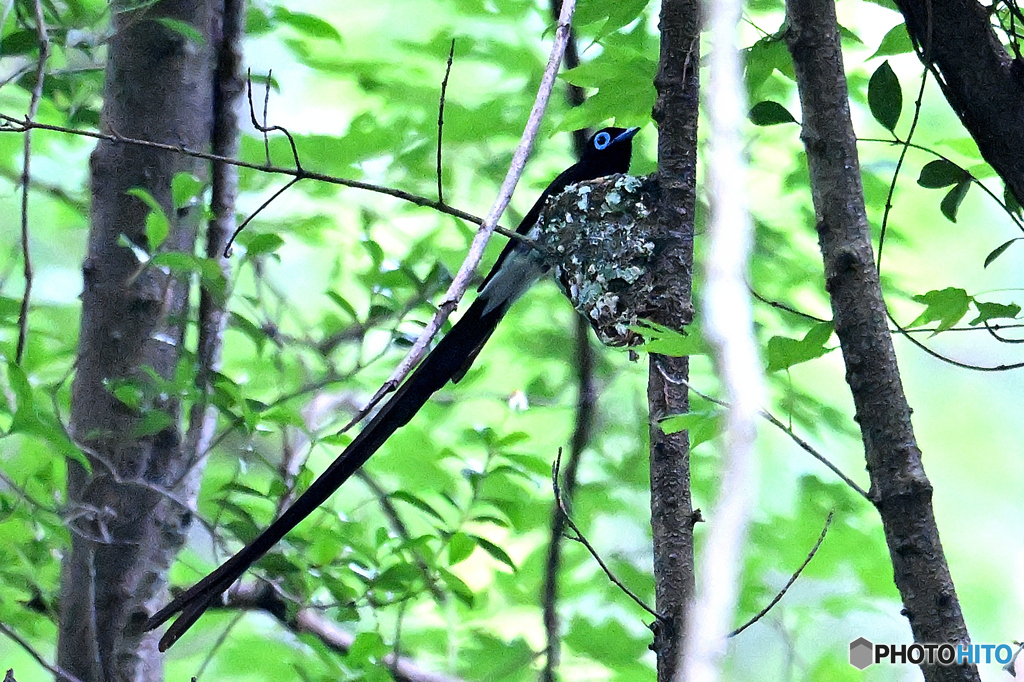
(626, 135)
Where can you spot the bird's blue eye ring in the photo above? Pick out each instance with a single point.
(602, 140)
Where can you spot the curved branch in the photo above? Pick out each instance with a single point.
(462, 278)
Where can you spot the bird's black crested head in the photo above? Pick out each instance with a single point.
(608, 151)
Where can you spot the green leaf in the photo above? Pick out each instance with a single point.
(182, 28)
(620, 14)
(367, 647)
(456, 586)
(460, 546)
(765, 57)
(999, 250)
(157, 224)
(259, 244)
(703, 426)
(343, 303)
(157, 229)
(784, 352)
(153, 421)
(177, 261)
(950, 203)
(308, 24)
(993, 311)
(33, 418)
(492, 658)
(885, 97)
(946, 306)
(770, 113)
(665, 341)
(849, 36)
(1012, 205)
(184, 188)
(399, 578)
(608, 641)
(625, 90)
(20, 42)
(256, 21)
(128, 392)
(19, 383)
(896, 41)
(941, 173)
(417, 502)
(496, 552)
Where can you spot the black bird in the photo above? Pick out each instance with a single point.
(517, 268)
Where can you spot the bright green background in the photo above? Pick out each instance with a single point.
(358, 86)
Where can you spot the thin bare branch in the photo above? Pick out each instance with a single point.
(217, 644)
(582, 539)
(586, 400)
(266, 598)
(440, 119)
(804, 445)
(264, 128)
(238, 230)
(978, 183)
(52, 668)
(899, 166)
(950, 361)
(919, 330)
(993, 331)
(464, 276)
(792, 579)
(10, 124)
(26, 177)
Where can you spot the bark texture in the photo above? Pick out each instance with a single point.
(672, 517)
(983, 84)
(900, 489)
(159, 88)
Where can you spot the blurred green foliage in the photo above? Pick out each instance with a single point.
(330, 285)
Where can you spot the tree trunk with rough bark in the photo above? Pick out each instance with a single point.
(672, 517)
(158, 88)
(900, 490)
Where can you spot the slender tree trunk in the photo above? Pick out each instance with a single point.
(900, 489)
(158, 87)
(672, 515)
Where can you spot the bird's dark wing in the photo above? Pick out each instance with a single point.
(574, 173)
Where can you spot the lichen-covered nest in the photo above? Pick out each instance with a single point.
(603, 262)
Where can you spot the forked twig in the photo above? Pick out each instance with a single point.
(263, 127)
(586, 543)
(10, 124)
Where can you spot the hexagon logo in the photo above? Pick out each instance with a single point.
(861, 653)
